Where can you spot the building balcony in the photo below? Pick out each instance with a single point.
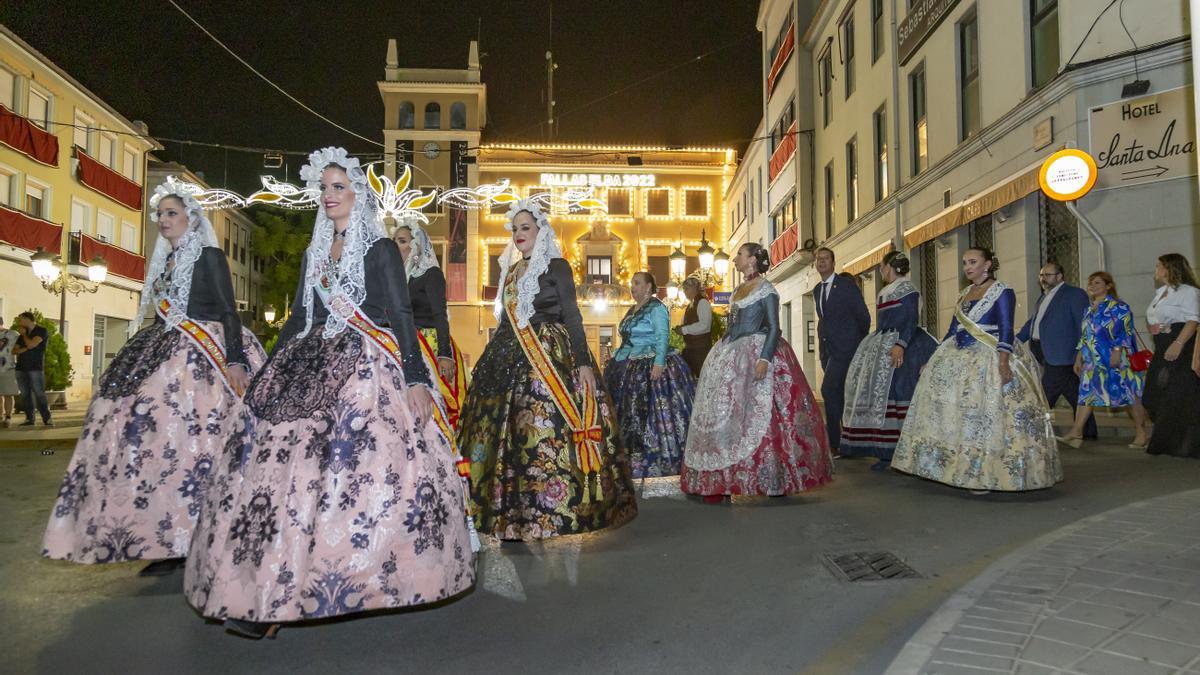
(785, 244)
(108, 182)
(121, 263)
(783, 154)
(29, 232)
(28, 138)
(781, 59)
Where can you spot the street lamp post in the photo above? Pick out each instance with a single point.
(52, 272)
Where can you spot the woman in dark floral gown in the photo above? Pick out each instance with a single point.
(539, 429)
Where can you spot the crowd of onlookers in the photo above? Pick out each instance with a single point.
(22, 370)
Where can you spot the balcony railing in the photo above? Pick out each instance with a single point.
(785, 244)
(107, 182)
(783, 153)
(27, 138)
(29, 232)
(781, 59)
(120, 262)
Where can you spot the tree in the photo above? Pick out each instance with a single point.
(281, 237)
(59, 373)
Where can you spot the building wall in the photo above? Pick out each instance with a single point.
(125, 147)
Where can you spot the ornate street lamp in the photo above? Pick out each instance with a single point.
(50, 270)
(678, 263)
(721, 263)
(97, 270)
(705, 252)
(45, 265)
(269, 313)
(672, 291)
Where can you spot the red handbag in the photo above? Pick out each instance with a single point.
(1140, 360)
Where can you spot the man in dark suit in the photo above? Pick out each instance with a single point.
(844, 322)
(1052, 332)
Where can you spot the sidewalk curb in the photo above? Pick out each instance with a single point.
(917, 652)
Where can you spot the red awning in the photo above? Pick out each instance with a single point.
(785, 244)
(25, 231)
(783, 153)
(120, 262)
(781, 59)
(28, 138)
(108, 182)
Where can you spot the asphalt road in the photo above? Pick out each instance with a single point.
(686, 587)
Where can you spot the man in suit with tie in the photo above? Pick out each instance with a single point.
(1052, 332)
(844, 322)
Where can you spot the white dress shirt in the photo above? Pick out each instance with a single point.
(1174, 305)
(826, 287)
(703, 320)
(1041, 313)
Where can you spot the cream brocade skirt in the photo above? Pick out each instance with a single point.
(966, 429)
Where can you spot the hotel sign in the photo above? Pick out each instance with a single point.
(922, 19)
(598, 179)
(1144, 140)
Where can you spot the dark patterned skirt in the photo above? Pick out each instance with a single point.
(329, 498)
(524, 483)
(153, 430)
(653, 414)
(1171, 397)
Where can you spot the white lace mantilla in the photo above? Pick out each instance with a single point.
(545, 249)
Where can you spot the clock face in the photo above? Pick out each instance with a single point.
(432, 150)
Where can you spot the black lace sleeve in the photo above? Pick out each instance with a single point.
(771, 318)
(560, 272)
(386, 265)
(435, 292)
(295, 321)
(215, 281)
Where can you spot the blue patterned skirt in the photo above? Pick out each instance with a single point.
(653, 414)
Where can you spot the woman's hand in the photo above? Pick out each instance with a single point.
(239, 377)
(447, 368)
(586, 377)
(420, 402)
(656, 372)
(897, 356)
(760, 369)
(1173, 351)
(1006, 375)
(1196, 363)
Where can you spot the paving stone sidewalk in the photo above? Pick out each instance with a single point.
(1117, 593)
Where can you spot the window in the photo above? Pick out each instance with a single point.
(927, 253)
(660, 267)
(920, 129)
(877, 29)
(35, 199)
(81, 217)
(107, 154)
(433, 116)
(783, 124)
(228, 228)
(847, 34)
(784, 29)
(1059, 235)
(981, 233)
(129, 164)
(6, 186)
(237, 240)
(245, 245)
(129, 240)
(852, 180)
(1043, 40)
(458, 115)
(968, 66)
(106, 226)
(493, 270)
(695, 203)
(783, 217)
(760, 190)
(825, 75)
(881, 154)
(8, 89)
(618, 202)
(39, 107)
(828, 200)
(658, 202)
(599, 269)
(408, 115)
(83, 132)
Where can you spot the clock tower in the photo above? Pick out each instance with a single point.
(433, 118)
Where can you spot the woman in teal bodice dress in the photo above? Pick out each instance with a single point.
(651, 385)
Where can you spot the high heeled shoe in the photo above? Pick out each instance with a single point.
(254, 630)
(1070, 441)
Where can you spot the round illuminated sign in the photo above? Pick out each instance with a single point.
(1067, 175)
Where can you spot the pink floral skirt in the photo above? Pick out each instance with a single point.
(155, 426)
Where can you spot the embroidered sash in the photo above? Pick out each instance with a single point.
(203, 340)
(451, 390)
(585, 423)
(1017, 361)
(384, 340)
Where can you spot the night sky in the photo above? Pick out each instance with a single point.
(150, 63)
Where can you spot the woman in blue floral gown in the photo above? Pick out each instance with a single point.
(651, 387)
(1106, 379)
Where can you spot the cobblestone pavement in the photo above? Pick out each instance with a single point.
(1117, 593)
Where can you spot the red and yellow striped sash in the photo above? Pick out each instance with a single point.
(451, 391)
(203, 340)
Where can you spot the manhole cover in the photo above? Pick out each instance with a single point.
(869, 566)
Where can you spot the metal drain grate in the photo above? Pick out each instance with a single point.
(869, 566)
